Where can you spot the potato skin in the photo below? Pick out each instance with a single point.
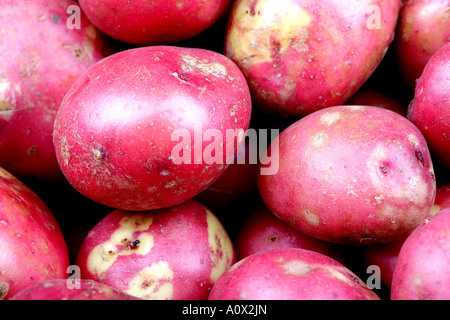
(422, 272)
(290, 274)
(430, 108)
(351, 174)
(263, 231)
(153, 22)
(175, 253)
(423, 28)
(32, 246)
(40, 58)
(58, 289)
(115, 133)
(374, 98)
(302, 56)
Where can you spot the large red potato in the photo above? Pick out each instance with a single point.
(143, 22)
(422, 272)
(263, 231)
(300, 56)
(430, 108)
(423, 28)
(32, 246)
(175, 253)
(290, 274)
(65, 289)
(351, 175)
(151, 127)
(40, 58)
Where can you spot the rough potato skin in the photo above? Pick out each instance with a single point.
(422, 272)
(118, 127)
(430, 108)
(168, 254)
(301, 56)
(59, 289)
(290, 274)
(423, 28)
(153, 22)
(40, 58)
(351, 174)
(32, 246)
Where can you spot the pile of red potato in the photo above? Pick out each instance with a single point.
(225, 150)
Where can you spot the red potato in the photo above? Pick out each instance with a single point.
(378, 99)
(133, 131)
(65, 289)
(262, 231)
(301, 56)
(351, 175)
(384, 256)
(290, 274)
(422, 272)
(430, 108)
(237, 181)
(40, 58)
(32, 246)
(423, 28)
(442, 200)
(153, 22)
(175, 253)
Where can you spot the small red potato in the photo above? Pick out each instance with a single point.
(423, 28)
(65, 289)
(384, 256)
(151, 127)
(422, 272)
(262, 231)
(442, 200)
(32, 246)
(351, 175)
(40, 59)
(378, 99)
(143, 22)
(175, 253)
(430, 108)
(290, 274)
(300, 56)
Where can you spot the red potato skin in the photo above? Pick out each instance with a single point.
(442, 200)
(114, 132)
(351, 175)
(32, 246)
(40, 58)
(181, 252)
(58, 289)
(422, 272)
(430, 108)
(263, 231)
(300, 56)
(423, 28)
(378, 99)
(153, 22)
(290, 274)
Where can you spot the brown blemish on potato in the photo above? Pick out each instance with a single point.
(4, 289)
(297, 267)
(98, 152)
(65, 150)
(153, 282)
(32, 150)
(311, 217)
(123, 241)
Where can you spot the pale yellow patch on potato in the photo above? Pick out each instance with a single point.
(311, 217)
(153, 282)
(330, 118)
(6, 110)
(103, 256)
(250, 34)
(413, 139)
(434, 209)
(319, 140)
(297, 267)
(220, 245)
(207, 67)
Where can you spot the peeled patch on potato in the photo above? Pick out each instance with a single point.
(352, 174)
(302, 56)
(167, 254)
